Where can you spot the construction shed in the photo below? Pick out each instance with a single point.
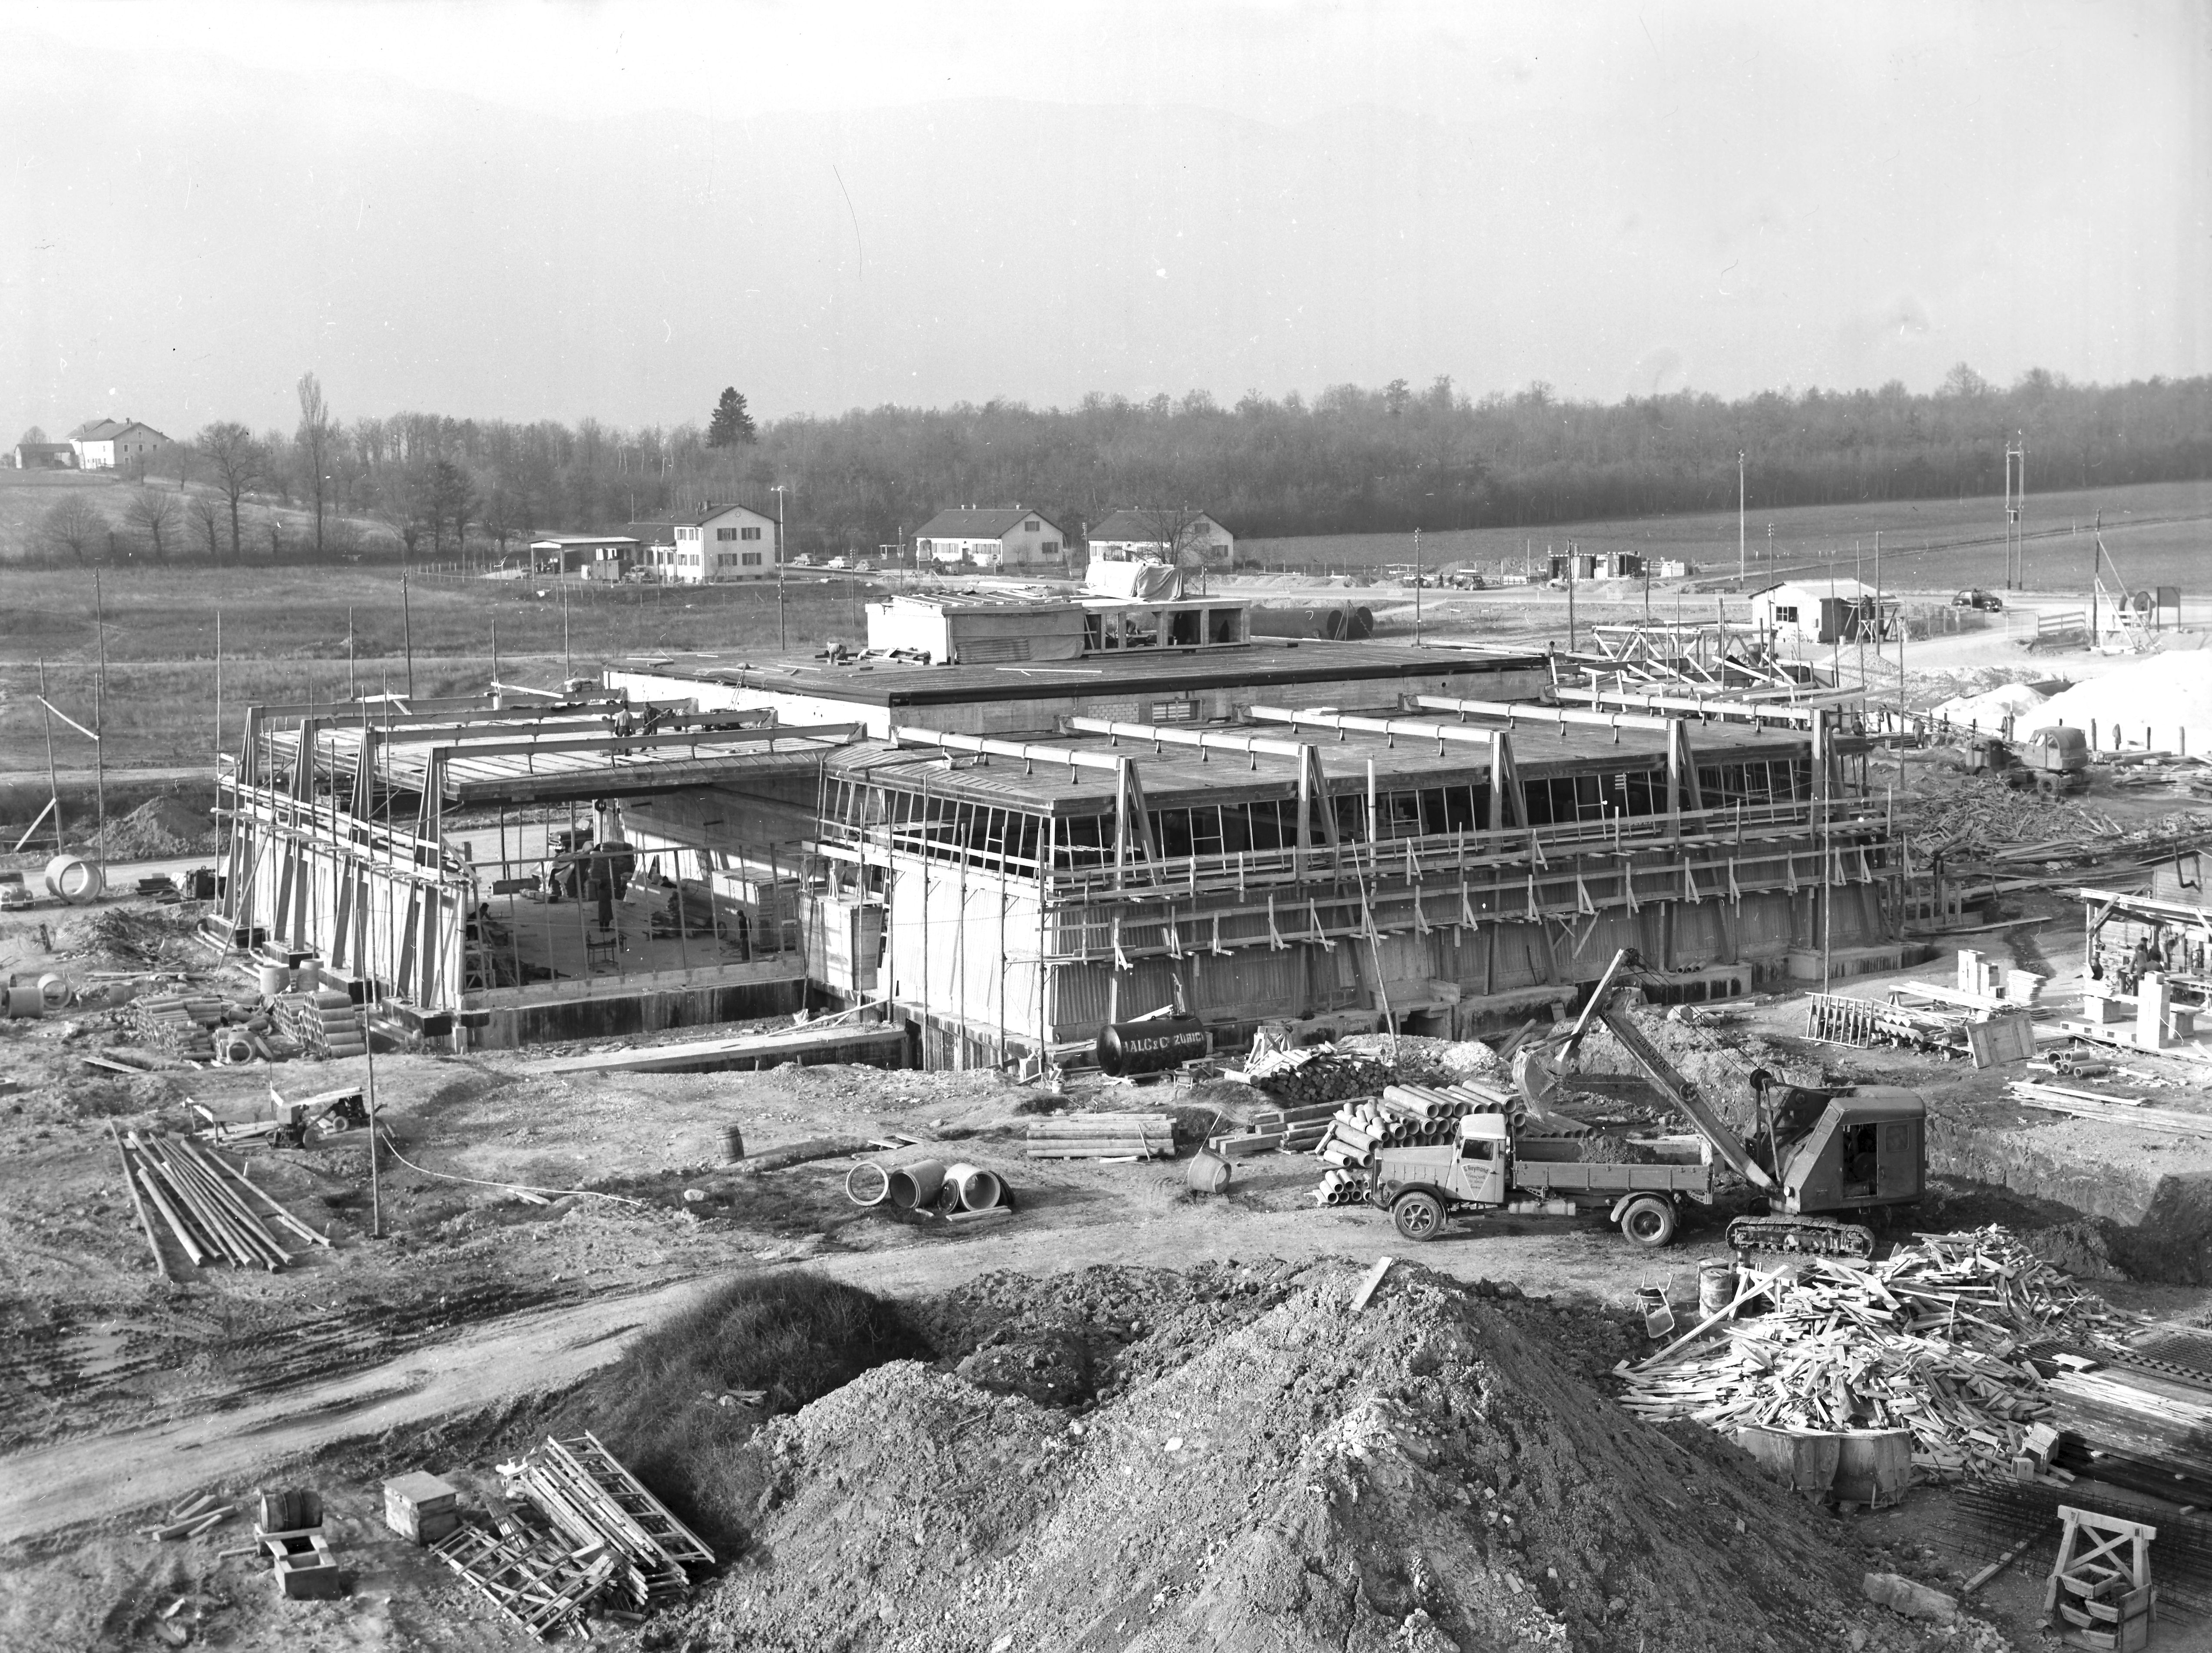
(1833, 611)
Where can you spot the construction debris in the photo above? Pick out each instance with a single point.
(1104, 1136)
(213, 1213)
(1929, 1341)
(598, 1539)
(2120, 1110)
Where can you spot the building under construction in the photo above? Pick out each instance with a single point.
(1008, 855)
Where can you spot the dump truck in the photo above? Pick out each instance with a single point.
(1818, 1159)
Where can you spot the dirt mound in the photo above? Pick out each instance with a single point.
(1420, 1060)
(1422, 1476)
(158, 827)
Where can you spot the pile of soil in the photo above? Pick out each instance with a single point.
(1419, 1061)
(1719, 1062)
(157, 828)
(1280, 1473)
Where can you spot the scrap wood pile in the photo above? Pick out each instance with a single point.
(1104, 1136)
(1317, 1073)
(1837, 1018)
(148, 940)
(1404, 1116)
(1277, 1130)
(214, 1213)
(1972, 816)
(182, 1022)
(2097, 1104)
(597, 1541)
(325, 1023)
(1931, 1341)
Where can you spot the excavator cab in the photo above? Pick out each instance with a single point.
(1867, 1150)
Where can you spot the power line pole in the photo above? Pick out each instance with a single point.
(1417, 588)
(1740, 571)
(2016, 487)
(778, 491)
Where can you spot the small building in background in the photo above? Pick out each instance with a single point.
(595, 557)
(1005, 538)
(721, 542)
(1835, 610)
(1128, 535)
(1597, 565)
(116, 445)
(45, 456)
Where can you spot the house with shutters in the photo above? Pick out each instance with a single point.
(1005, 538)
(719, 543)
(1136, 535)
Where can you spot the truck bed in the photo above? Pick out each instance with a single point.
(1604, 1176)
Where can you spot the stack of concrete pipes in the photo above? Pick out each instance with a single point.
(1404, 1116)
(1333, 622)
(958, 1192)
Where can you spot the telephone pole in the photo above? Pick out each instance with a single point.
(1741, 572)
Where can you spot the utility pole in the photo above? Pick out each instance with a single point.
(100, 722)
(407, 622)
(778, 491)
(2015, 485)
(1741, 572)
(1571, 596)
(567, 666)
(1417, 588)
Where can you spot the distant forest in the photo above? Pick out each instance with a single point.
(1350, 460)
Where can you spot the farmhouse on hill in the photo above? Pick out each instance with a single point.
(999, 536)
(116, 445)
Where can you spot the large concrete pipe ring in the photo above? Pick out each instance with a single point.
(22, 1004)
(868, 1184)
(1359, 625)
(55, 991)
(973, 1188)
(71, 878)
(913, 1188)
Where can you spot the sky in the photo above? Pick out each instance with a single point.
(614, 210)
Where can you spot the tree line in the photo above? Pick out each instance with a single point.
(1350, 460)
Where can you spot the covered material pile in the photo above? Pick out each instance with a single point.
(1930, 1341)
(590, 1535)
(1422, 1476)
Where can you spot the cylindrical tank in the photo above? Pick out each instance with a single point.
(1331, 621)
(1128, 1047)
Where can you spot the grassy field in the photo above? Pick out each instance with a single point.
(2160, 532)
(26, 496)
(284, 634)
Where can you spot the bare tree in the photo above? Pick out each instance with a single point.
(1181, 537)
(72, 525)
(206, 515)
(153, 513)
(315, 439)
(235, 461)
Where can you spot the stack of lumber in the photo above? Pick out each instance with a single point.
(1277, 1130)
(1931, 1341)
(182, 1022)
(325, 1023)
(214, 1213)
(1317, 1073)
(1104, 1136)
(2093, 1104)
(530, 1576)
(595, 1502)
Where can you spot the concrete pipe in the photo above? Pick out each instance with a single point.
(1207, 1173)
(233, 1049)
(71, 878)
(54, 991)
(1359, 625)
(308, 977)
(974, 1187)
(868, 1184)
(22, 1004)
(274, 979)
(913, 1188)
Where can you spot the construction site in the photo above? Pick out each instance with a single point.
(1084, 1119)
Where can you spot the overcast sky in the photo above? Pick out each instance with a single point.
(614, 210)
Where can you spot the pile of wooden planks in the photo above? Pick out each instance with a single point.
(1931, 1341)
(531, 1577)
(1277, 1130)
(1104, 1136)
(325, 1023)
(2093, 1104)
(595, 1502)
(214, 1213)
(182, 1022)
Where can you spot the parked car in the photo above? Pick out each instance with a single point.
(834, 562)
(1975, 597)
(863, 566)
(804, 560)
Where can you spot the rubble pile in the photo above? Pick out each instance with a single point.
(1931, 1341)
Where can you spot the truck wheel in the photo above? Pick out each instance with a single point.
(1648, 1222)
(1418, 1216)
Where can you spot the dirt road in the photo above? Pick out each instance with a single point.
(93, 1477)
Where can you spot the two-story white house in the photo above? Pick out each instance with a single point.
(1132, 535)
(1005, 537)
(116, 445)
(721, 542)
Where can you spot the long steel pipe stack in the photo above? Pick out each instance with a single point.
(204, 1203)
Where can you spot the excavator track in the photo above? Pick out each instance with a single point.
(1804, 1236)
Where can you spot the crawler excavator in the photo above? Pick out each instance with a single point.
(1818, 1161)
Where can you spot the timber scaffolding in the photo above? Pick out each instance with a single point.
(1447, 866)
(452, 863)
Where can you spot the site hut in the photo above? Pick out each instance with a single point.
(462, 869)
(724, 543)
(591, 556)
(43, 456)
(1002, 538)
(997, 628)
(1127, 536)
(1357, 833)
(1597, 565)
(1798, 613)
(116, 445)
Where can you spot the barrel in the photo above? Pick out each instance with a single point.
(274, 979)
(22, 1003)
(973, 1188)
(1873, 1466)
(1206, 1173)
(70, 878)
(913, 1188)
(734, 1142)
(1716, 1287)
(1148, 1047)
